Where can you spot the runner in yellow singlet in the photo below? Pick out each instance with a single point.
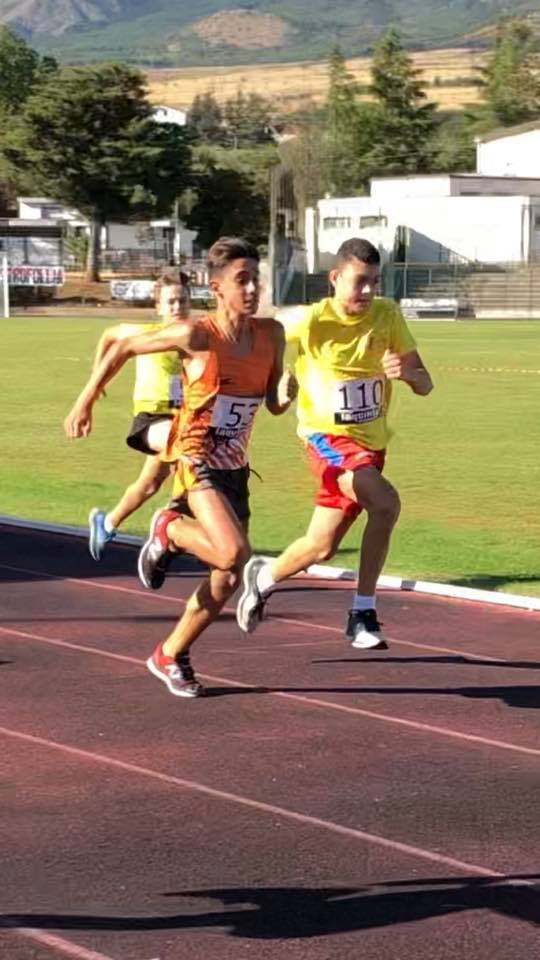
(156, 397)
(350, 348)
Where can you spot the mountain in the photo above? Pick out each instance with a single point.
(180, 33)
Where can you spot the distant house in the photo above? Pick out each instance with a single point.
(170, 115)
(510, 151)
(165, 237)
(33, 249)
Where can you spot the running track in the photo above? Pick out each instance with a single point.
(319, 803)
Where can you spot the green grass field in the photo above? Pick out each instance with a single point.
(465, 459)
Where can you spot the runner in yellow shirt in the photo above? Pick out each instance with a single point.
(157, 395)
(350, 348)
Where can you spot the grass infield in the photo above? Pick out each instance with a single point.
(464, 459)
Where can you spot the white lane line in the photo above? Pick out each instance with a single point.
(295, 697)
(269, 808)
(152, 595)
(67, 947)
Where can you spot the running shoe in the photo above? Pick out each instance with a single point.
(250, 609)
(177, 675)
(155, 556)
(364, 630)
(99, 537)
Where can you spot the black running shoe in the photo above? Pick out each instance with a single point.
(364, 630)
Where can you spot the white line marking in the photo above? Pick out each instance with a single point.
(241, 800)
(57, 943)
(150, 595)
(320, 571)
(297, 698)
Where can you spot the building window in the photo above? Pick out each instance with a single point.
(51, 212)
(537, 221)
(337, 223)
(373, 221)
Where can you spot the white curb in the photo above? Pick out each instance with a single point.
(320, 571)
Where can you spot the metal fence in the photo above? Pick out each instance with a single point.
(455, 289)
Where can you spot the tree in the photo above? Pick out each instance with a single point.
(205, 118)
(453, 143)
(405, 122)
(87, 138)
(247, 118)
(511, 79)
(231, 193)
(339, 147)
(21, 68)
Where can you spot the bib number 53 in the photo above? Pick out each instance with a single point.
(233, 415)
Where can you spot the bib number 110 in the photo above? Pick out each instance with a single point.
(357, 401)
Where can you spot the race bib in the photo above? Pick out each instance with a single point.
(233, 416)
(357, 401)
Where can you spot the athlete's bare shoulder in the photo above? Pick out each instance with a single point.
(199, 338)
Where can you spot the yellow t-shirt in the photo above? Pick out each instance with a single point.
(158, 386)
(342, 387)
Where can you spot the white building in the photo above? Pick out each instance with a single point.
(510, 151)
(167, 234)
(441, 218)
(491, 216)
(170, 115)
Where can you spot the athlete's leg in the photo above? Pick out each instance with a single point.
(103, 525)
(150, 480)
(326, 530)
(157, 434)
(381, 501)
(217, 537)
(170, 662)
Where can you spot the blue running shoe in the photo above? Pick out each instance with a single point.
(99, 536)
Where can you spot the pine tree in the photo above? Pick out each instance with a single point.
(405, 122)
(247, 118)
(346, 131)
(205, 118)
(511, 78)
(21, 68)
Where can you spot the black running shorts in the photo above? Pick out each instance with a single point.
(233, 484)
(137, 437)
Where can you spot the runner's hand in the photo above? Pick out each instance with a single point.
(78, 422)
(287, 387)
(392, 365)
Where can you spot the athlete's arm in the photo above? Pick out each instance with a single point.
(182, 336)
(108, 337)
(410, 368)
(282, 386)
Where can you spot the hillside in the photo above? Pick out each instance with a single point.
(293, 86)
(180, 33)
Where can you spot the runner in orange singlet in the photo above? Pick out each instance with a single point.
(233, 362)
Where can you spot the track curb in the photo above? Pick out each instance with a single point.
(320, 571)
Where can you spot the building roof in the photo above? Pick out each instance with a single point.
(501, 132)
(39, 200)
(456, 176)
(14, 227)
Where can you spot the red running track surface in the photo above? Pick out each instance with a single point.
(318, 803)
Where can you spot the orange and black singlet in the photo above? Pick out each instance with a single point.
(223, 390)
